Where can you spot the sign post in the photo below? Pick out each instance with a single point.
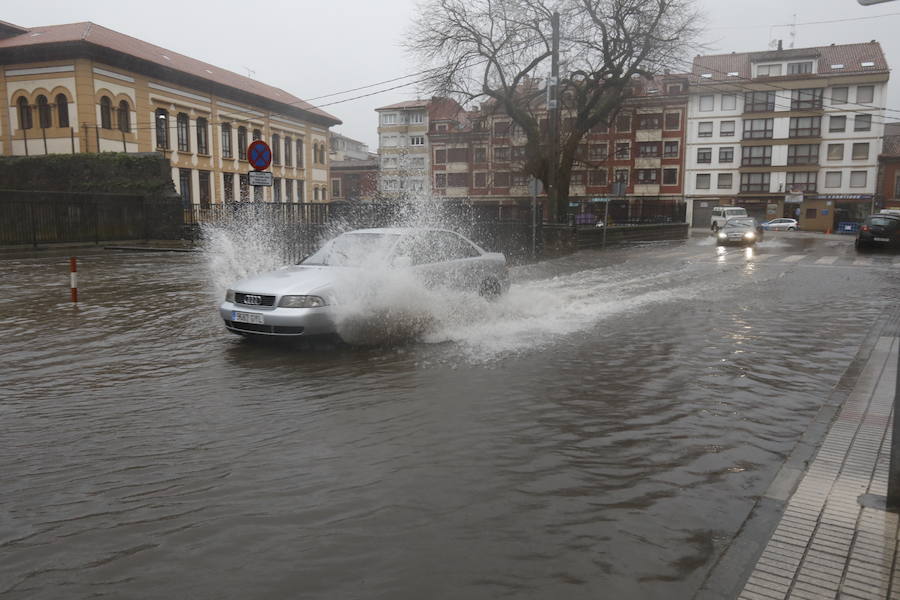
(259, 155)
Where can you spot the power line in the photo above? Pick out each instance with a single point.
(848, 19)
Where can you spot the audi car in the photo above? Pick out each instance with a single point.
(302, 299)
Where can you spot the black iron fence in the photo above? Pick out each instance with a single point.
(648, 210)
(34, 218)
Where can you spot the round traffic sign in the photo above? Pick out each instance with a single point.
(260, 155)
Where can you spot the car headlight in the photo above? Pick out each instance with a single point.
(301, 302)
(722, 236)
(749, 235)
(229, 296)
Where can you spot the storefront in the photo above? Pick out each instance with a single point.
(837, 213)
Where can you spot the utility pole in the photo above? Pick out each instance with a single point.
(553, 122)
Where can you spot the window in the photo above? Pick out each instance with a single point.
(257, 134)
(276, 149)
(808, 99)
(835, 151)
(226, 140)
(857, 179)
(670, 149)
(417, 162)
(839, 95)
(440, 156)
(480, 154)
(227, 187)
(805, 127)
(389, 118)
(601, 127)
(811, 213)
(501, 128)
(648, 149)
(184, 186)
(105, 113)
(670, 177)
(623, 150)
(501, 180)
(598, 177)
(800, 68)
(123, 117)
(759, 102)
(241, 142)
(703, 181)
(244, 183)
(416, 140)
(704, 155)
(865, 94)
(459, 155)
(202, 136)
(45, 119)
(518, 152)
(301, 190)
(62, 110)
(162, 128)
(336, 188)
(726, 128)
(623, 123)
(725, 181)
(184, 141)
(481, 180)
(673, 120)
(755, 182)
(300, 162)
(24, 113)
(598, 151)
(726, 154)
(440, 180)
(862, 123)
(729, 102)
(457, 179)
(649, 122)
(861, 151)
(673, 88)
(833, 179)
(803, 154)
(416, 117)
(647, 176)
(707, 103)
(501, 154)
(801, 182)
(288, 153)
(755, 129)
(289, 190)
(705, 129)
(204, 189)
(768, 70)
(837, 123)
(756, 156)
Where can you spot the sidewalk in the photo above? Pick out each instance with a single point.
(833, 540)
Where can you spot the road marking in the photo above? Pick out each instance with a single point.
(862, 262)
(793, 258)
(827, 260)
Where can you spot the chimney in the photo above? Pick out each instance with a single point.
(780, 46)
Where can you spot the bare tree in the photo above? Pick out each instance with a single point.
(499, 51)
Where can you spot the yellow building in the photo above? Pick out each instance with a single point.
(81, 87)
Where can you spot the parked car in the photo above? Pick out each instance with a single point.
(740, 230)
(780, 225)
(720, 214)
(300, 300)
(880, 230)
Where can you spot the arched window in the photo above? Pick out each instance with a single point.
(226, 140)
(299, 154)
(288, 152)
(45, 120)
(202, 136)
(24, 113)
(257, 134)
(242, 143)
(182, 124)
(162, 128)
(105, 113)
(62, 110)
(123, 116)
(276, 149)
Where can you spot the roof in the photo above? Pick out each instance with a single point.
(97, 35)
(832, 60)
(350, 164)
(407, 104)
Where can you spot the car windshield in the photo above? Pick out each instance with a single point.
(740, 222)
(883, 221)
(353, 250)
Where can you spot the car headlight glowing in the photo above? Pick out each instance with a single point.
(722, 236)
(229, 296)
(301, 302)
(749, 235)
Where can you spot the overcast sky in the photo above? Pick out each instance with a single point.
(314, 48)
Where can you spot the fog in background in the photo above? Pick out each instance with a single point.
(313, 49)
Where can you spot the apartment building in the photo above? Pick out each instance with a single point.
(81, 87)
(342, 148)
(403, 149)
(787, 133)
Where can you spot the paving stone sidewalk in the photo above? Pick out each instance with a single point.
(828, 544)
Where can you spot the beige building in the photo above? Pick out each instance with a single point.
(81, 87)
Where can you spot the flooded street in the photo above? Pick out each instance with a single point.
(601, 431)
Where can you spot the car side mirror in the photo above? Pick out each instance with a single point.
(402, 262)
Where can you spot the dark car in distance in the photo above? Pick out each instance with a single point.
(740, 230)
(879, 230)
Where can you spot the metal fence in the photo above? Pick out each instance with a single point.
(648, 210)
(34, 218)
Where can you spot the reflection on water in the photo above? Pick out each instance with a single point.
(600, 432)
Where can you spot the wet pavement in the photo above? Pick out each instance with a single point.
(602, 431)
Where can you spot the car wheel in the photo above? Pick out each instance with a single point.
(792, 229)
(490, 289)
(715, 227)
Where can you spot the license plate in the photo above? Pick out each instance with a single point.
(245, 317)
(878, 239)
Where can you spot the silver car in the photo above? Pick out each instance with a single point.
(300, 300)
(781, 225)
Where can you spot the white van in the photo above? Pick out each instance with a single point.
(720, 214)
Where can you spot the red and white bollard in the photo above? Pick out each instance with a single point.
(73, 275)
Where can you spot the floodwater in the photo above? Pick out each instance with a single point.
(600, 432)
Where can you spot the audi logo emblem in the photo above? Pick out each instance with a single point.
(251, 299)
